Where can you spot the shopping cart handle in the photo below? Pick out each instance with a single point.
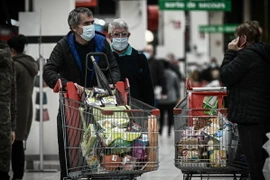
(188, 85)
(58, 86)
(177, 111)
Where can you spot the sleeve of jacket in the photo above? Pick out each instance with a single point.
(52, 67)
(147, 84)
(13, 107)
(115, 71)
(234, 66)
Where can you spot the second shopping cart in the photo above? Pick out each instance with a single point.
(206, 142)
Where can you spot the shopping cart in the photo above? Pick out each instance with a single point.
(108, 142)
(206, 142)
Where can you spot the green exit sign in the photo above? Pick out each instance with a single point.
(199, 5)
(226, 28)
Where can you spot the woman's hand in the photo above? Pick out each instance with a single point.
(233, 45)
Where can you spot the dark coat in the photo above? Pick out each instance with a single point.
(7, 106)
(246, 74)
(158, 74)
(63, 63)
(135, 67)
(26, 70)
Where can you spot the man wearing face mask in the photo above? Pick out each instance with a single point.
(68, 60)
(133, 65)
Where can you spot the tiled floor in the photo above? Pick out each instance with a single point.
(166, 171)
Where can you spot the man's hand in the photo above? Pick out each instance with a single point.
(233, 45)
(80, 89)
(12, 137)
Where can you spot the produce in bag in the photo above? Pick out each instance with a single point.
(109, 135)
(119, 118)
(119, 146)
(89, 142)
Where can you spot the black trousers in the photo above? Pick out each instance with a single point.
(18, 159)
(4, 175)
(252, 138)
(163, 109)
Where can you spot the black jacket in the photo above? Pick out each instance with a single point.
(135, 67)
(26, 70)
(158, 74)
(246, 74)
(62, 62)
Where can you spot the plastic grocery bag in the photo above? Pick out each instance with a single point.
(210, 102)
(119, 118)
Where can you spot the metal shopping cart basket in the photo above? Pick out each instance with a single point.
(108, 142)
(205, 141)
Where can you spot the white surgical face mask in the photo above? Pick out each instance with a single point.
(147, 55)
(213, 65)
(119, 44)
(88, 32)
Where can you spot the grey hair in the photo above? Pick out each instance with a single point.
(74, 16)
(119, 24)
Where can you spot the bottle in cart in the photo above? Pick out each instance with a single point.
(225, 139)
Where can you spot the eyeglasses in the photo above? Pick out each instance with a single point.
(117, 34)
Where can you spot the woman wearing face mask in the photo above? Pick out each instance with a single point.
(133, 64)
(68, 60)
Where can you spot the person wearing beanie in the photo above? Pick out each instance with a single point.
(26, 70)
(7, 108)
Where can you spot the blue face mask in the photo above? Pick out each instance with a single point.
(119, 44)
(88, 32)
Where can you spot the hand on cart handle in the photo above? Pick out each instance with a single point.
(80, 89)
(58, 86)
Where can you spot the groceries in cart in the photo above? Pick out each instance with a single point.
(117, 137)
(207, 142)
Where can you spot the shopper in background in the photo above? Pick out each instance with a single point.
(174, 65)
(245, 71)
(26, 70)
(7, 108)
(213, 68)
(167, 104)
(68, 60)
(133, 65)
(157, 74)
